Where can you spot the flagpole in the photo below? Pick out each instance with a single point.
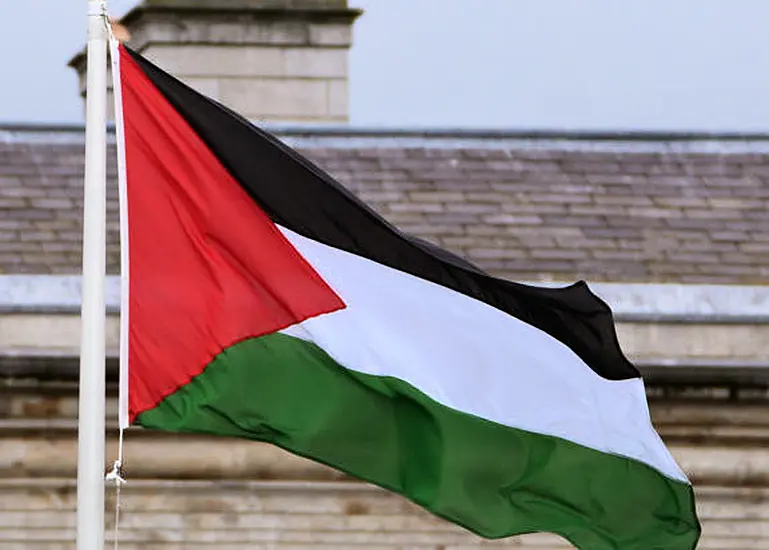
(91, 405)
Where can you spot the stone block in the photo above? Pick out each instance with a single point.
(695, 341)
(49, 334)
(226, 31)
(209, 87)
(338, 98)
(327, 34)
(213, 61)
(315, 63)
(285, 99)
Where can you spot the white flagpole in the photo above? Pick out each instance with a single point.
(91, 408)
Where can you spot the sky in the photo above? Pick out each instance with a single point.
(685, 65)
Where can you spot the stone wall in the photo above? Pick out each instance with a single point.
(703, 349)
(188, 491)
(179, 515)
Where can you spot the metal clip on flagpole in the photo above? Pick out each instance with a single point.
(91, 403)
(116, 475)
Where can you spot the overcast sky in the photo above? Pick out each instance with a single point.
(535, 64)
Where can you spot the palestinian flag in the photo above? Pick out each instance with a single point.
(264, 301)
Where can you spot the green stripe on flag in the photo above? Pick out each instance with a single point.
(494, 480)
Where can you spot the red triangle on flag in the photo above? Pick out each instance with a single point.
(207, 267)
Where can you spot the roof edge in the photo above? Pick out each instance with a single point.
(352, 137)
(309, 130)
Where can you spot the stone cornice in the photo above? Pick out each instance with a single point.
(630, 302)
(658, 373)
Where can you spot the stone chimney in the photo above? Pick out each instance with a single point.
(269, 60)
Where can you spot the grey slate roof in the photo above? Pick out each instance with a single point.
(527, 207)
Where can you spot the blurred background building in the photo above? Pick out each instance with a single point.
(672, 230)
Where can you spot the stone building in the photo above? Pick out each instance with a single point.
(672, 230)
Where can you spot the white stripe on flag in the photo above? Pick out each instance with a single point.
(475, 358)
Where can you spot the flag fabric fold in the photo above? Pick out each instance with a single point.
(266, 302)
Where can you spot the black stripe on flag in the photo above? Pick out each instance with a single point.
(301, 197)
